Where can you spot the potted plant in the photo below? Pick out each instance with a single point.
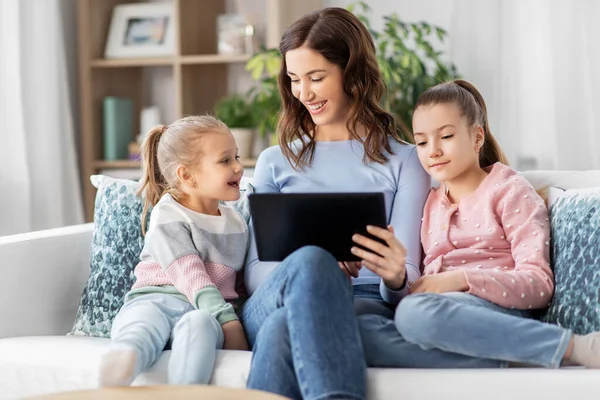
(237, 113)
(407, 59)
(264, 97)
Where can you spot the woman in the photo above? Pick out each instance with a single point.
(334, 137)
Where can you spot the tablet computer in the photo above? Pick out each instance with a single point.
(284, 222)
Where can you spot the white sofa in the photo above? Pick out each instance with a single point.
(43, 275)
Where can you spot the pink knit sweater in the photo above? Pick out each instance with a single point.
(499, 236)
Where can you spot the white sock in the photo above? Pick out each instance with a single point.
(586, 350)
(117, 367)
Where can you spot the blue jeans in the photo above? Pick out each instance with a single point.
(146, 323)
(303, 331)
(459, 330)
(367, 300)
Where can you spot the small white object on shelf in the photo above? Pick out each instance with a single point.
(149, 118)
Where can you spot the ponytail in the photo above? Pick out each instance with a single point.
(154, 184)
(491, 152)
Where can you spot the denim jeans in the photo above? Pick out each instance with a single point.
(367, 300)
(146, 323)
(303, 331)
(459, 330)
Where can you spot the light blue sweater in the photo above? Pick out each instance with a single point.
(339, 167)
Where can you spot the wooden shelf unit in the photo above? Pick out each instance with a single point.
(199, 75)
(102, 164)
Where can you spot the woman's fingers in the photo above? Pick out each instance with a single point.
(344, 269)
(388, 236)
(372, 267)
(350, 268)
(368, 256)
(372, 245)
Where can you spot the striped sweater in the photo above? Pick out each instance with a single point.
(193, 256)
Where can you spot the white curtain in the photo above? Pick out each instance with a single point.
(537, 63)
(39, 185)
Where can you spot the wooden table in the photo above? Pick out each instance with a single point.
(168, 392)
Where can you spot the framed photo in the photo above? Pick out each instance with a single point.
(141, 30)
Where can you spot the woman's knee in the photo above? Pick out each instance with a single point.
(416, 317)
(274, 332)
(314, 262)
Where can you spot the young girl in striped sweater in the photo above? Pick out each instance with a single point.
(193, 249)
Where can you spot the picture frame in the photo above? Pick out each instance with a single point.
(141, 30)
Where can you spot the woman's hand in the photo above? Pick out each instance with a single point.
(350, 268)
(386, 260)
(449, 281)
(234, 336)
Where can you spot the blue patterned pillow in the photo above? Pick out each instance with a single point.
(116, 246)
(575, 223)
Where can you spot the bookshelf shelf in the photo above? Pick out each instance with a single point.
(134, 164)
(213, 59)
(131, 62)
(185, 60)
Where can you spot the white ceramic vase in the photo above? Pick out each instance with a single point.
(244, 138)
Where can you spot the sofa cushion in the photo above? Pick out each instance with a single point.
(575, 233)
(32, 366)
(116, 246)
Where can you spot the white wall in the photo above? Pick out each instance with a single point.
(473, 62)
(436, 12)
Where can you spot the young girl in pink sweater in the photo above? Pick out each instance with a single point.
(485, 235)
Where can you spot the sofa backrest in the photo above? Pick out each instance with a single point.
(544, 179)
(563, 179)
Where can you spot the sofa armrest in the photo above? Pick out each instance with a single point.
(42, 277)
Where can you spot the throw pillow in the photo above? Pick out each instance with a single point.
(575, 222)
(116, 246)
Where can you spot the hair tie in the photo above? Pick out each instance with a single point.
(163, 129)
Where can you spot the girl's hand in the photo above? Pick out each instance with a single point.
(386, 260)
(350, 268)
(234, 336)
(450, 281)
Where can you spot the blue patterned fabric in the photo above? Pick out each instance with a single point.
(575, 224)
(116, 246)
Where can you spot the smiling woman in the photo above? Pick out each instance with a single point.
(334, 136)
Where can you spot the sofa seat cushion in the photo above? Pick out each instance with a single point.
(37, 365)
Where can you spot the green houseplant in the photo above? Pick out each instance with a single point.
(237, 113)
(264, 97)
(407, 58)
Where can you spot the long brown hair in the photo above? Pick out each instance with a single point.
(471, 104)
(340, 37)
(164, 149)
